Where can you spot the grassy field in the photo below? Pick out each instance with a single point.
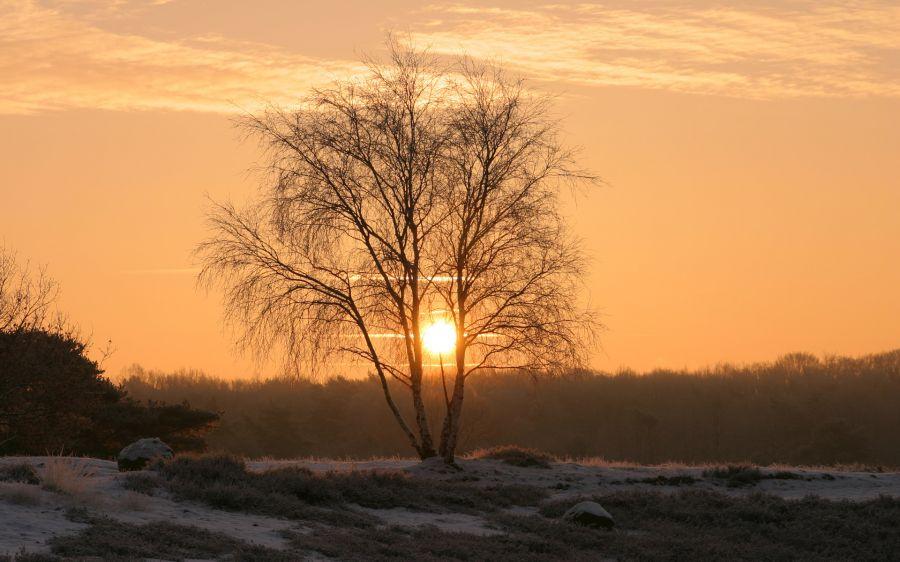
(504, 505)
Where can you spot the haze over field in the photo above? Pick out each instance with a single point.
(750, 158)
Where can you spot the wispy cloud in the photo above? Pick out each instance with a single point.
(52, 59)
(802, 49)
(64, 54)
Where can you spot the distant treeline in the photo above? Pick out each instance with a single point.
(799, 410)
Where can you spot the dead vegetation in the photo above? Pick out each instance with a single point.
(224, 482)
(515, 456)
(66, 475)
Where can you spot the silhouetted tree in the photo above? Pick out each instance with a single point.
(416, 190)
(54, 398)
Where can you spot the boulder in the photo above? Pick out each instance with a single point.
(590, 514)
(140, 453)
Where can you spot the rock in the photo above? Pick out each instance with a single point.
(139, 454)
(590, 514)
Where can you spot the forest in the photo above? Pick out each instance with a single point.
(798, 409)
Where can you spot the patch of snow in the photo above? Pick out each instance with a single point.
(449, 522)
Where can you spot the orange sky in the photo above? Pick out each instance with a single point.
(752, 156)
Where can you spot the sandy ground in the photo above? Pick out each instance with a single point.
(29, 516)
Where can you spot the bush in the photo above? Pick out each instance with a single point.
(53, 397)
(735, 476)
(19, 472)
(141, 483)
(662, 480)
(515, 456)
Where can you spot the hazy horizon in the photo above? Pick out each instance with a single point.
(752, 198)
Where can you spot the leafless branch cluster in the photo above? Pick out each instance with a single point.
(27, 295)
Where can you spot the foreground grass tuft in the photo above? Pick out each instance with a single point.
(515, 456)
(19, 472)
(67, 475)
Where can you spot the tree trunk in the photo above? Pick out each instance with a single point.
(450, 430)
(426, 443)
(390, 399)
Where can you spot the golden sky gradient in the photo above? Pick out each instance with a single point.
(751, 154)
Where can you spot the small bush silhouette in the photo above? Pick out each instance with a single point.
(515, 456)
(662, 480)
(735, 476)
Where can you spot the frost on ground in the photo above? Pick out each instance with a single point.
(31, 515)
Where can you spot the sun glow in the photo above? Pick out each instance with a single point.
(439, 337)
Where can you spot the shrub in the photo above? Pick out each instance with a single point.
(515, 456)
(141, 483)
(54, 397)
(735, 476)
(662, 480)
(19, 472)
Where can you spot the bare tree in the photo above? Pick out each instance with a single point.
(512, 269)
(27, 295)
(329, 261)
(387, 199)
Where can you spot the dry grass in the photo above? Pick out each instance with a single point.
(515, 456)
(20, 494)
(67, 475)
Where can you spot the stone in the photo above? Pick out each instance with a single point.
(590, 514)
(139, 454)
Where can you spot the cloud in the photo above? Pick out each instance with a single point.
(65, 54)
(814, 49)
(51, 59)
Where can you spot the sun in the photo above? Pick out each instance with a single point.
(439, 337)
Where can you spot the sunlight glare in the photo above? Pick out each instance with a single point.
(439, 337)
